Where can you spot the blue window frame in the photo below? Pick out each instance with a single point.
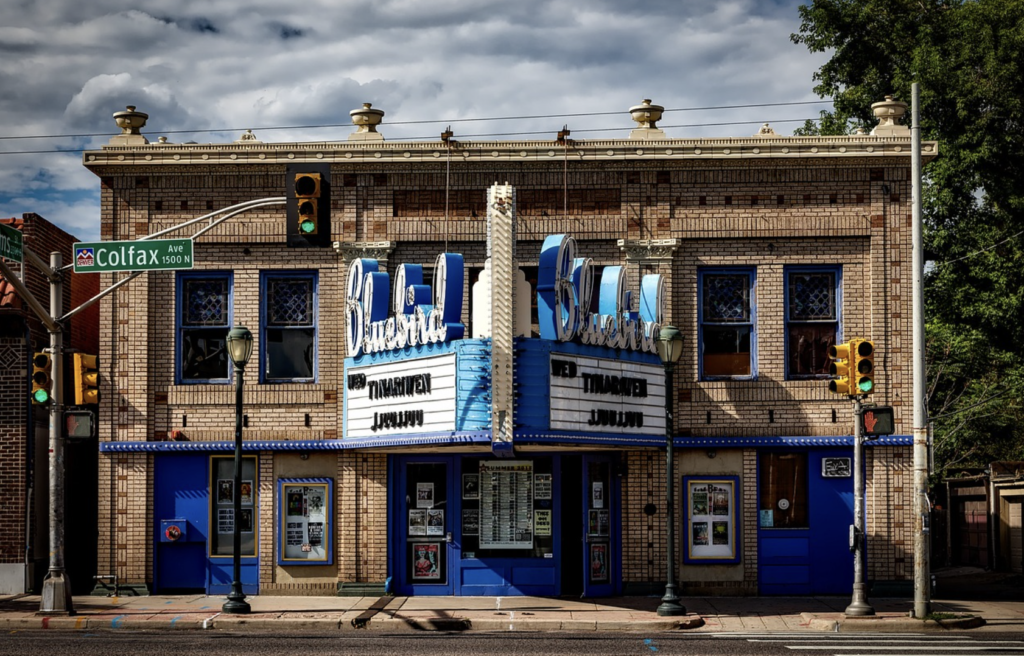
(203, 316)
(288, 326)
(726, 315)
(812, 300)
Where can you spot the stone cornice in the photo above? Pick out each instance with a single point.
(373, 250)
(396, 152)
(642, 250)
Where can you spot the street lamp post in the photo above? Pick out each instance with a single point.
(239, 344)
(670, 348)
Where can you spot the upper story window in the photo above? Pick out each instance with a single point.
(288, 313)
(204, 316)
(726, 316)
(812, 319)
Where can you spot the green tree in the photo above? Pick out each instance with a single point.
(968, 57)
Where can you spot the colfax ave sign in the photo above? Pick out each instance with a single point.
(133, 255)
(11, 244)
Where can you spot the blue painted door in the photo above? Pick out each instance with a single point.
(180, 493)
(803, 524)
(599, 521)
(426, 557)
(184, 564)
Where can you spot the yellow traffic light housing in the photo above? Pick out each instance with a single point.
(307, 194)
(839, 369)
(863, 366)
(87, 379)
(42, 378)
(308, 212)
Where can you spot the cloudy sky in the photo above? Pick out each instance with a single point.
(206, 70)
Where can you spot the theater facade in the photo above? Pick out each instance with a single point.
(454, 388)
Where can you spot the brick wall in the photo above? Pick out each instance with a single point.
(758, 212)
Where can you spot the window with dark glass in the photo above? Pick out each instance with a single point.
(812, 320)
(289, 327)
(204, 318)
(783, 490)
(726, 323)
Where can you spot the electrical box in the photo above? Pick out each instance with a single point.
(174, 530)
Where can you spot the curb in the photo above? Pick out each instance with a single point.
(839, 623)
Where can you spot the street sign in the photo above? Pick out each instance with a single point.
(150, 255)
(12, 246)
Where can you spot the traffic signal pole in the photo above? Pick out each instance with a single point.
(56, 593)
(859, 606)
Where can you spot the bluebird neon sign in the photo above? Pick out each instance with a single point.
(421, 315)
(564, 291)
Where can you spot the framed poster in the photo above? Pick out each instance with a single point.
(305, 521)
(417, 521)
(424, 495)
(470, 521)
(471, 486)
(506, 504)
(712, 519)
(435, 521)
(599, 562)
(246, 493)
(542, 486)
(426, 561)
(542, 522)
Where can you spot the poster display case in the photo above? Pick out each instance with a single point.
(222, 506)
(711, 519)
(305, 521)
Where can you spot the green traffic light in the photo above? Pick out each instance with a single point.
(866, 386)
(307, 225)
(41, 396)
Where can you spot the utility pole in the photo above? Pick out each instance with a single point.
(920, 505)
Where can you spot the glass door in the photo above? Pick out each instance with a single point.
(425, 515)
(599, 502)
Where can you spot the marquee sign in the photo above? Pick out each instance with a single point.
(401, 397)
(419, 317)
(564, 288)
(603, 395)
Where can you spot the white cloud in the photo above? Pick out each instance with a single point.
(66, 66)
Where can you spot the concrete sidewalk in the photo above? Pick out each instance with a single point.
(391, 614)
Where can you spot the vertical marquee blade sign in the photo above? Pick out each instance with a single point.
(150, 255)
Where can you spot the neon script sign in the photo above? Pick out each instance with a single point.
(420, 317)
(564, 291)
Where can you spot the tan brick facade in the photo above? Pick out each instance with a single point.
(760, 203)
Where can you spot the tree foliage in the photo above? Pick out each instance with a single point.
(968, 58)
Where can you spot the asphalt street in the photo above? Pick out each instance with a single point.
(108, 643)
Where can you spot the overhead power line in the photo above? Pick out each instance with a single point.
(491, 134)
(422, 122)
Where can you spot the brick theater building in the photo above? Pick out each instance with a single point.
(420, 419)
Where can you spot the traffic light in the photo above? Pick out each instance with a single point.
(307, 193)
(309, 205)
(839, 369)
(42, 380)
(863, 366)
(87, 380)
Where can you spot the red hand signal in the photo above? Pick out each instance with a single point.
(870, 421)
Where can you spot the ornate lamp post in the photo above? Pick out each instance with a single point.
(239, 344)
(670, 348)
